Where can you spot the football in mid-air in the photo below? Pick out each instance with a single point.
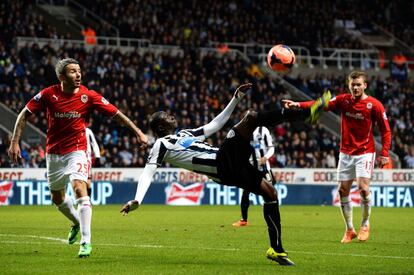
(281, 58)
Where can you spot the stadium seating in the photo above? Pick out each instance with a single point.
(193, 86)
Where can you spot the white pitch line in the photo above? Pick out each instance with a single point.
(187, 247)
(36, 237)
(354, 255)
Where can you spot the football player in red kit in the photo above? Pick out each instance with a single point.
(68, 106)
(359, 113)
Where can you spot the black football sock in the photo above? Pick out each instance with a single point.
(245, 203)
(273, 117)
(272, 217)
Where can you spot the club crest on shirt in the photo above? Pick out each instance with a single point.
(230, 134)
(84, 98)
(104, 101)
(37, 97)
(369, 105)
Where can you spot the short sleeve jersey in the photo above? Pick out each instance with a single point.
(67, 115)
(358, 118)
(262, 143)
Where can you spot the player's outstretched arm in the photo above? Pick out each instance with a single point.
(241, 90)
(129, 206)
(288, 104)
(324, 100)
(125, 121)
(142, 188)
(14, 149)
(220, 120)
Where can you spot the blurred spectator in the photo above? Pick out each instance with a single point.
(399, 68)
(409, 158)
(196, 86)
(89, 35)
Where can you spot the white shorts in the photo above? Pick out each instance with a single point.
(351, 167)
(89, 158)
(62, 169)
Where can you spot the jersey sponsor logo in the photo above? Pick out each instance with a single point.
(369, 105)
(72, 114)
(84, 98)
(176, 194)
(104, 101)
(186, 141)
(5, 192)
(37, 97)
(355, 115)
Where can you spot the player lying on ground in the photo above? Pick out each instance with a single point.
(227, 165)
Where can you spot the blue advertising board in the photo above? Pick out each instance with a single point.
(201, 193)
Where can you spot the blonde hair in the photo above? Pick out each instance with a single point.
(357, 74)
(61, 65)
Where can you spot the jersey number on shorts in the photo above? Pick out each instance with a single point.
(368, 166)
(83, 168)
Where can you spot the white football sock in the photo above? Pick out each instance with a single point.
(346, 209)
(68, 210)
(366, 210)
(85, 215)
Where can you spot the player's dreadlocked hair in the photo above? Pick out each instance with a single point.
(159, 126)
(61, 65)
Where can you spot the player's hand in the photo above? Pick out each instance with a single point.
(287, 104)
(382, 161)
(14, 152)
(242, 89)
(142, 140)
(262, 161)
(129, 206)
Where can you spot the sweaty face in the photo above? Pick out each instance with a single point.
(357, 86)
(73, 75)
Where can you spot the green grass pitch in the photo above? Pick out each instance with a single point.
(158, 239)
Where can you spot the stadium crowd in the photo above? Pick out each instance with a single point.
(310, 23)
(194, 86)
(18, 19)
(195, 23)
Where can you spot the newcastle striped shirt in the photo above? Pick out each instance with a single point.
(187, 150)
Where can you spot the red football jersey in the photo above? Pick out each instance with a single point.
(67, 115)
(358, 118)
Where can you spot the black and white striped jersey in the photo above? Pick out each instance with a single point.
(263, 146)
(186, 149)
